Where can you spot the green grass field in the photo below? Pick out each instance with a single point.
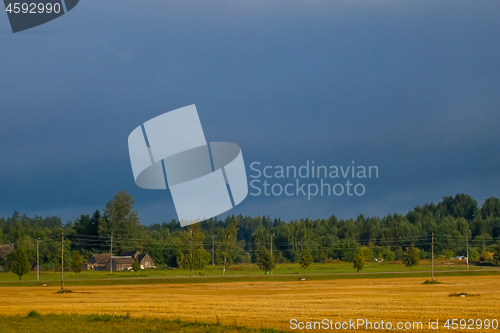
(244, 272)
(242, 269)
(107, 323)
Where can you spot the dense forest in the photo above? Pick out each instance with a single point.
(453, 222)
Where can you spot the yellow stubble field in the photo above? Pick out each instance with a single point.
(272, 304)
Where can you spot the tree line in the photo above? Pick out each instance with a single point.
(455, 221)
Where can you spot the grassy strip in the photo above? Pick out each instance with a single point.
(220, 279)
(238, 270)
(35, 322)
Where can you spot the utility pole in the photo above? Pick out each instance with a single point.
(432, 259)
(37, 261)
(271, 244)
(213, 250)
(271, 250)
(62, 261)
(111, 256)
(467, 239)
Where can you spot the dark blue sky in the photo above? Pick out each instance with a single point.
(410, 86)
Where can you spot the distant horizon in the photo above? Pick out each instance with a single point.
(223, 217)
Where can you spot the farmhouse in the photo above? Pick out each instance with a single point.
(99, 262)
(144, 259)
(102, 262)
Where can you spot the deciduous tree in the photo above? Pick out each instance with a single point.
(119, 218)
(473, 254)
(388, 255)
(192, 254)
(363, 255)
(265, 260)
(136, 266)
(359, 262)
(21, 264)
(305, 259)
(76, 262)
(227, 246)
(496, 255)
(411, 256)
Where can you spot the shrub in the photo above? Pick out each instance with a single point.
(461, 295)
(432, 282)
(33, 314)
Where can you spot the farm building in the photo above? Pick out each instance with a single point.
(144, 259)
(132, 254)
(122, 263)
(102, 262)
(99, 262)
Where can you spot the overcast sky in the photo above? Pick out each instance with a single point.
(409, 86)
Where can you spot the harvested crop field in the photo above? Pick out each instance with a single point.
(272, 304)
